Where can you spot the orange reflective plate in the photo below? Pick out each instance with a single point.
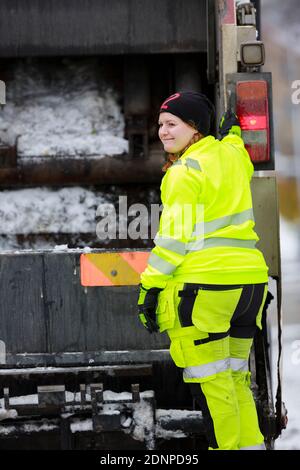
(112, 269)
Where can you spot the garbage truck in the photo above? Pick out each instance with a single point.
(77, 371)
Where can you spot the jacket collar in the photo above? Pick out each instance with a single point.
(199, 146)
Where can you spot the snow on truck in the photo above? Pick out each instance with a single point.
(78, 141)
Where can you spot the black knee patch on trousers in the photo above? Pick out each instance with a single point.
(200, 399)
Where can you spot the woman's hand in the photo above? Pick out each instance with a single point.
(229, 124)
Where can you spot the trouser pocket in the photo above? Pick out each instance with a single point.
(185, 353)
(213, 310)
(176, 353)
(200, 354)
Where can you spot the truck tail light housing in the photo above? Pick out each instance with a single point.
(253, 112)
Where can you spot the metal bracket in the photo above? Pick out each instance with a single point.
(96, 397)
(246, 14)
(136, 105)
(137, 133)
(51, 395)
(8, 156)
(6, 398)
(135, 390)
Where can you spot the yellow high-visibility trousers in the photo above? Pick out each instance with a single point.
(211, 333)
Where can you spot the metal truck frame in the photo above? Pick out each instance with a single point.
(77, 370)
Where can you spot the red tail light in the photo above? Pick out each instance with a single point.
(253, 112)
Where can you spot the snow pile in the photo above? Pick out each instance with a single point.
(21, 400)
(174, 415)
(144, 427)
(43, 210)
(28, 428)
(81, 425)
(8, 414)
(62, 108)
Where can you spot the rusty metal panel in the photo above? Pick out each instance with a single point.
(23, 322)
(45, 310)
(68, 27)
(63, 303)
(67, 170)
(266, 213)
(91, 319)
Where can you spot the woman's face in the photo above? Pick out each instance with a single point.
(174, 133)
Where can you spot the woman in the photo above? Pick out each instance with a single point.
(206, 282)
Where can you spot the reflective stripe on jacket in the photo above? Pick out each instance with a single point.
(206, 231)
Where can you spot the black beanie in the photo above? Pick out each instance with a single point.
(191, 106)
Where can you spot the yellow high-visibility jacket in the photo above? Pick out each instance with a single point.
(206, 230)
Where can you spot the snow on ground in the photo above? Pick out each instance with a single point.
(290, 256)
(290, 438)
(66, 108)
